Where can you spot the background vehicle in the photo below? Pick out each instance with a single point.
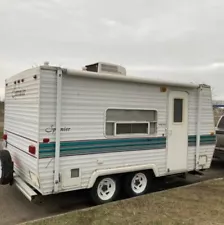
(219, 148)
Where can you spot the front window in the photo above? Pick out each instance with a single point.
(221, 123)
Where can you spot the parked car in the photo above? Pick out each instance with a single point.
(219, 148)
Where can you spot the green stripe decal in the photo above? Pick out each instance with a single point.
(114, 145)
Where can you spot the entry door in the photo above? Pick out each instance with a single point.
(177, 134)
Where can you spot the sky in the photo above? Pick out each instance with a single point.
(180, 40)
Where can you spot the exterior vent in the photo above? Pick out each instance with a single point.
(109, 68)
(106, 68)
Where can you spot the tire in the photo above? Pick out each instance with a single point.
(6, 168)
(100, 191)
(138, 183)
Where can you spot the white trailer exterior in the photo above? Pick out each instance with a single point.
(65, 129)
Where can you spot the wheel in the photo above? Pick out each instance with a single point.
(6, 168)
(137, 183)
(105, 190)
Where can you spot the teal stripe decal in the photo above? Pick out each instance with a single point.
(105, 142)
(114, 145)
(204, 140)
(103, 146)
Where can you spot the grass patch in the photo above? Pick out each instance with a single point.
(198, 204)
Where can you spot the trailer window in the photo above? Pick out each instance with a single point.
(132, 128)
(109, 128)
(178, 110)
(122, 121)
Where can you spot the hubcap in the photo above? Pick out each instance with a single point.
(139, 183)
(106, 189)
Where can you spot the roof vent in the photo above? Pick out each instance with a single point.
(46, 63)
(110, 68)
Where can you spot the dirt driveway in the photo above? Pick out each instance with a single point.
(15, 208)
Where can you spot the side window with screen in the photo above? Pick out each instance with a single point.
(221, 123)
(130, 122)
(178, 110)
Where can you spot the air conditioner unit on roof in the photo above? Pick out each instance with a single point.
(110, 68)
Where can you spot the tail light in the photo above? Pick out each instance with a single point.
(46, 140)
(32, 149)
(5, 137)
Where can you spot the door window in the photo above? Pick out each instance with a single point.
(178, 110)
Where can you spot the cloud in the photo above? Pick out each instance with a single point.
(176, 39)
(195, 68)
(109, 22)
(2, 94)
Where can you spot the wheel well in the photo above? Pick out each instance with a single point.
(121, 175)
(150, 172)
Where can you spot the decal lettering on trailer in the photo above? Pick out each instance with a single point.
(18, 93)
(52, 129)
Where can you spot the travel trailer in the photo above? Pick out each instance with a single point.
(100, 129)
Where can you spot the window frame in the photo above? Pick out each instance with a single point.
(129, 135)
